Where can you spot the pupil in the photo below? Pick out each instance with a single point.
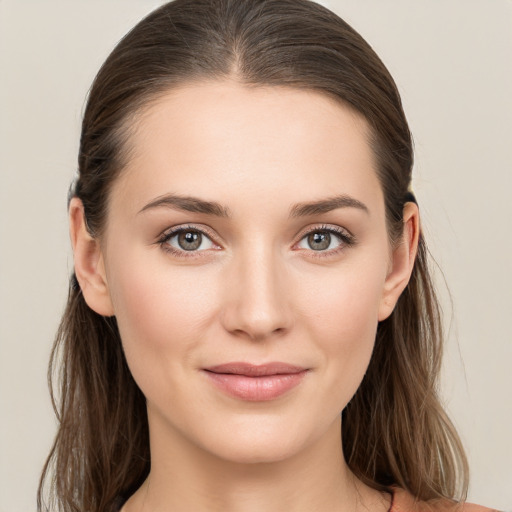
(189, 240)
(319, 241)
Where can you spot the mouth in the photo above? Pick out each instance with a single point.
(255, 382)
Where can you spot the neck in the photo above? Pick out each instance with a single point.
(184, 477)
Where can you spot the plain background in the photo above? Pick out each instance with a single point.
(452, 62)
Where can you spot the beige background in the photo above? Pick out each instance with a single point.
(452, 62)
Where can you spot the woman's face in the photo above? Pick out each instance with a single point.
(248, 264)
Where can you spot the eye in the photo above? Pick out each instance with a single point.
(184, 240)
(326, 239)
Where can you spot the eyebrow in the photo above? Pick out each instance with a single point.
(327, 205)
(188, 204)
(196, 205)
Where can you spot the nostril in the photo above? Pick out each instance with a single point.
(256, 303)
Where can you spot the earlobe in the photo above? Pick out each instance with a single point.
(402, 261)
(89, 264)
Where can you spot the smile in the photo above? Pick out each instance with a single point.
(255, 382)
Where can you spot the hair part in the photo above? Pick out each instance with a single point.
(395, 431)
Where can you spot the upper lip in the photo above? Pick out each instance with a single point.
(255, 370)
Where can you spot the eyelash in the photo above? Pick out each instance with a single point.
(346, 238)
(166, 236)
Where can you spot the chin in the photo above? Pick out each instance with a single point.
(257, 442)
(255, 451)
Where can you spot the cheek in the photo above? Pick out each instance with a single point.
(343, 319)
(345, 302)
(159, 310)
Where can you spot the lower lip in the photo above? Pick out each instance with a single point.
(268, 387)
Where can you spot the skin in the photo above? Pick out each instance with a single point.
(255, 291)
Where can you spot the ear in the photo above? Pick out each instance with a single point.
(402, 261)
(89, 264)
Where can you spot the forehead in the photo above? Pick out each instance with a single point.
(223, 138)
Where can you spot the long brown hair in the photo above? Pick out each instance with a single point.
(395, 432)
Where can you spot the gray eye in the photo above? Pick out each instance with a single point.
(319, 241)
(189, 240)
(323, 240)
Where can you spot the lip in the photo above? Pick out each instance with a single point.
(255, 382)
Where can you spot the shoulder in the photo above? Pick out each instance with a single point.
(405, 502)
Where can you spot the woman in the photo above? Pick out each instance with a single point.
(250, 277)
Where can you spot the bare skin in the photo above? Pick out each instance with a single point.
(262, 284)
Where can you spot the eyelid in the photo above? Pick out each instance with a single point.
(332, 228)
(205, 230)
(169, 233)
(347, 239)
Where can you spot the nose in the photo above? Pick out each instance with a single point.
(257, 301)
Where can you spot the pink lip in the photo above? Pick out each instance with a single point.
(255, 382)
